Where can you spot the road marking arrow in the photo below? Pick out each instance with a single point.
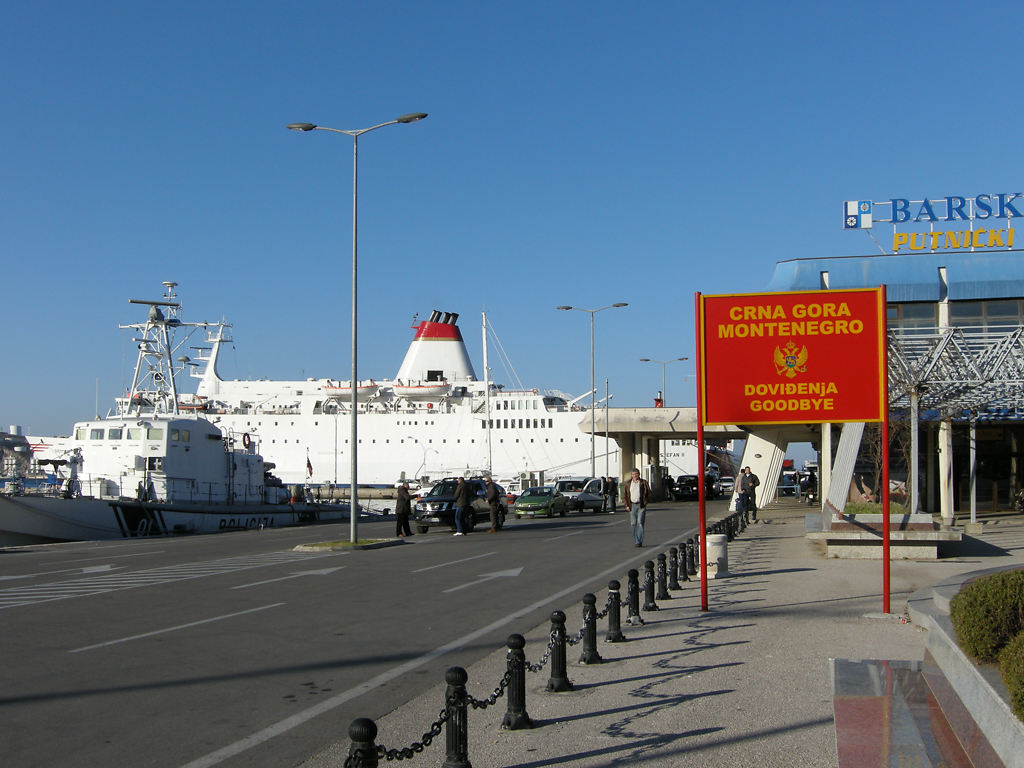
(487, 577)
(321, 572)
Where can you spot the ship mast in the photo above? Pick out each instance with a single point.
(487, 391)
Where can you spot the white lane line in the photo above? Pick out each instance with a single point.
(174, 629)
(321, 572)
(453, 562)
(283, 726)
(564, 535)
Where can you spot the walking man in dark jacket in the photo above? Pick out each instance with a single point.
(747, 496)
(403, 508)
(492, 502)
(463, 506)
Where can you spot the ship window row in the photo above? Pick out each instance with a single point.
(132, 433)
(515, 405)
(518, 424)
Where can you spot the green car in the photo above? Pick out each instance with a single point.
(543, 500)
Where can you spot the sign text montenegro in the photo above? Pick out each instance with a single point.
(798, 357)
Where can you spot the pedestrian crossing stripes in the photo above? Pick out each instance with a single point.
(11, 597)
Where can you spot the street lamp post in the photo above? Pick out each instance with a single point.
(664, 365)
(353, 496)
(593, 390)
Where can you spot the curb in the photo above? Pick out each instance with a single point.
(985, 699)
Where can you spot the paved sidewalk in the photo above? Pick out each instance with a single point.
(747, 683)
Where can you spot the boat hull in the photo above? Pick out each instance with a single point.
(38, 519)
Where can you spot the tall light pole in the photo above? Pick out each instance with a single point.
(593, 390)
(353, 495)
(664, 365)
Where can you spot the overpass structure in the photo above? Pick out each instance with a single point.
(639, 432)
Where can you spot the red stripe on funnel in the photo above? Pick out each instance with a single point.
(438, 332)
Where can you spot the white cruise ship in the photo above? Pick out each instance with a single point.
(435, 418)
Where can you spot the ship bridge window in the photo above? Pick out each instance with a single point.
(185, 435)
(80, 433)
(115, 433)
(134, 433)
(154, 433)
(95, 434)
(173, 435)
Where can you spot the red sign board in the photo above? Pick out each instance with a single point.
(793, 358)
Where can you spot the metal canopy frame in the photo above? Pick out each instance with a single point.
(963, 373)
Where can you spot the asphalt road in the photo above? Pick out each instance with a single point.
(234, 649)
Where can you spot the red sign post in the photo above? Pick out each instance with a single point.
(800, 357)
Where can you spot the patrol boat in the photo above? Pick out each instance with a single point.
(156, 467)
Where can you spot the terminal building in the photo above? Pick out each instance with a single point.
(955, 324)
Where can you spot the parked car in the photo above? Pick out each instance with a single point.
(685, 487)
(437, 507)
(590, 497)
(726, 483)
(571, 487)
(541, 501)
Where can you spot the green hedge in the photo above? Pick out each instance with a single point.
(988, 613)
(1011, 665)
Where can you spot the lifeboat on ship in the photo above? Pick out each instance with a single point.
(421, 390)
(195, 404)
(343, 392)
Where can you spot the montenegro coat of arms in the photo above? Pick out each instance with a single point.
(790, 360)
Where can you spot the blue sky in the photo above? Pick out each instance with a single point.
(576, 153)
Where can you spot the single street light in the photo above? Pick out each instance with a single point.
(593, 391)
(664, 364)
(353, 495)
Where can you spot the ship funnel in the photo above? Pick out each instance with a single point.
(437, 352)
(455, 318)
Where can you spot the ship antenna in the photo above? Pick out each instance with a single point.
(415, 317)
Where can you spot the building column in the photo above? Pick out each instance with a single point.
(946, 471)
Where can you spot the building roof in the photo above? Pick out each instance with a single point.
(971, 275)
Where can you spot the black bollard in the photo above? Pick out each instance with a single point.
(742, 523)
(673, 568)
(633, 597)
(691, 558)
(362, 753)
(662, 574)
(457, 728)
(683, 575)
(649, 604)
(730, 532)
(614, 614)
(559, 680)
(516, 717)
(590, 654)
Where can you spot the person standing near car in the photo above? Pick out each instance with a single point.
(492, 503)
(635, 494)
(747, 495)
(403, 508)
(463, 506)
